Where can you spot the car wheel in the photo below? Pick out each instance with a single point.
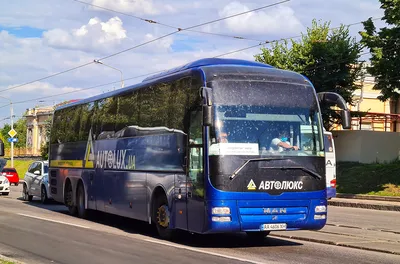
(43, 195)
(25, 194)
(16, 184)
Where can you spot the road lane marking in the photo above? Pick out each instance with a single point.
(165, 243)
(54, 221)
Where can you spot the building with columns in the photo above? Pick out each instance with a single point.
(36, 119)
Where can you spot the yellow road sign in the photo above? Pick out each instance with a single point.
(12, 133)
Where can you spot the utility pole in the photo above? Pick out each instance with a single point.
(122, 77)
(12, 132)
(12, 128)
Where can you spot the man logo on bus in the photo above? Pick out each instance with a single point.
(251, 186)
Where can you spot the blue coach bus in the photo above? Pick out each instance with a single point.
(193, 148)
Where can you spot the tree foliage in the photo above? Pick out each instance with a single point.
(20, 127)
(329, 58)
(384, 45)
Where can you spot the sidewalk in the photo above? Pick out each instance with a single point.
(366, 202)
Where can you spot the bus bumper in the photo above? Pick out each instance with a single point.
(262, 215)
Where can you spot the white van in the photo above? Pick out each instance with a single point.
(330, 163)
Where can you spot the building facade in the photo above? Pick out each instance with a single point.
(36, 120)
(377, 115)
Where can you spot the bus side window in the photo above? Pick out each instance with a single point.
(196, 149)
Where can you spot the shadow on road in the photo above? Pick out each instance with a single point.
(184, 238)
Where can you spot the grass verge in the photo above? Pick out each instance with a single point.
(371, 179)
(2, 261)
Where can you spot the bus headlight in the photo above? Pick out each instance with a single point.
(320, 209)
(221, 210)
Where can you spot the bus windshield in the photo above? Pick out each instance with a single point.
(255, 129)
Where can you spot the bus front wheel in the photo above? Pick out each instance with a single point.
(162, 218)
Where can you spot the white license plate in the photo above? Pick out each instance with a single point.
(273, 227)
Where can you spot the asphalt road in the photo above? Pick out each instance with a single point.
(35, 233)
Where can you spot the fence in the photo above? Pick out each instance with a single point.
(22, 152)
(366, 146)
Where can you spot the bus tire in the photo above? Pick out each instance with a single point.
(258, 236)
(68, 201)
(161, 216)
(80, 200)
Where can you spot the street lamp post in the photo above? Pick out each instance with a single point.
(122, 78)
(12, 127)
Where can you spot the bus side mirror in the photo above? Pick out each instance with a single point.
(329, 99)
(206, 94)
(1, 148)
(346, 119)
(207, 115)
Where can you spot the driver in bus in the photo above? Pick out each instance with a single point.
(281, 143)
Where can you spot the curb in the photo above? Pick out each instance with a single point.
(381, 207)
(368, 197)
(335, 243)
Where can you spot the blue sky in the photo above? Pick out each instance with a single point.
(23, 32)
(41, 38)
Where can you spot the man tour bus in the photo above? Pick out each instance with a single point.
(197, 148)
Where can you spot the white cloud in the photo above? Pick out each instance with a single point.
(269, 21)
(96, 35)
(128, 6)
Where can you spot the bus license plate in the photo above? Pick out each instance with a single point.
(273, 227)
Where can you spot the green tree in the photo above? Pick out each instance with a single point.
(384, 46)
(44, 149)
(4, 132)
(329, 58)
(20, 127)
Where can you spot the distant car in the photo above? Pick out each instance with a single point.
(12, 175)
(36, 182)
(4, 185)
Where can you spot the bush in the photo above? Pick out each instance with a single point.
(44, 151)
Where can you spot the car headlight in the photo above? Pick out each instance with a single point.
(6, 181)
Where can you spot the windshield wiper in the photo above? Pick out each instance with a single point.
(247, 162)
(313, 173)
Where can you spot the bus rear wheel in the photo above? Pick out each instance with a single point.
(80, 200)
(161, 216)
(68, 199)
(258, 236)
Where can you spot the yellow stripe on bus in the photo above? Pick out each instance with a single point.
(89, 164)
(67, 163)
